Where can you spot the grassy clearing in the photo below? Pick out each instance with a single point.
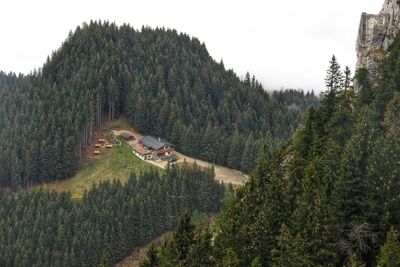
(116, 163)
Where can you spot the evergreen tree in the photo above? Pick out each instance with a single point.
(230, 259)
(354, 262)
(235, 150)
(208, 151)
(334, 76)
(289, 251)
(347, 78)
(151, 258)
(201, 252)
(183, 238)
(104, 260)
(249, 155)
(364, 87)
(390, 251)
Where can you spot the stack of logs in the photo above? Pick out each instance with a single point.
(102, 143)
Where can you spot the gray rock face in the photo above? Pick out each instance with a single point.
(376, 34)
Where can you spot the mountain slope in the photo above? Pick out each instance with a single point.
(41, 228)
(167, 85)
(331, 197)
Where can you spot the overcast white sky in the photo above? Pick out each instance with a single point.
(284, 43)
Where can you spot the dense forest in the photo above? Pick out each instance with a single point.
(164, 82)
(49, 229)
(296, 99)
(330, 197)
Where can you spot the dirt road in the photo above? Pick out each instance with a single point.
(223, 174)
(139, 253)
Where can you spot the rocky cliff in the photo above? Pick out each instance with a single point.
(376, 34)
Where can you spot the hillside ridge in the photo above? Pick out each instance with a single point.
(165, 83)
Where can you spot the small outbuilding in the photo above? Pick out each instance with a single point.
(127, 137)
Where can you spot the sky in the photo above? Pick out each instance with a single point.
(285, 44)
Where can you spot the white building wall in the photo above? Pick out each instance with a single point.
(141, 156)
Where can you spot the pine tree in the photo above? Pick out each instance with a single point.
(354, 188)
(354, 262)
(249, 155)
(104, 259)
(235, 151)
(151, 257)
(208, 144)
(390, 252)
(314, 216)
(334, 83)
(384, 164)
(289, 251)
(334, 76)
(364, 87)
(347, 78)
(201, 252)
(183, 238)
(256, 263)
(230, 258)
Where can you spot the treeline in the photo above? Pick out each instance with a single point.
(296, 99)
(331, 197)
(41, 228)
(165, 83)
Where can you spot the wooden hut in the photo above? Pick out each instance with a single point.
(127, 137)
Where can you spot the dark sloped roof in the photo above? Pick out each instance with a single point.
(126, 135)
(154, 143)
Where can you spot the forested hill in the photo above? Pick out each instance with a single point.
(40, 228)
(165, 83)
(329, 198)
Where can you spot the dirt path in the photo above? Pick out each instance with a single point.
(223, 174)
(139, 253)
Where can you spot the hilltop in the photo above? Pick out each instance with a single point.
(165, 83)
